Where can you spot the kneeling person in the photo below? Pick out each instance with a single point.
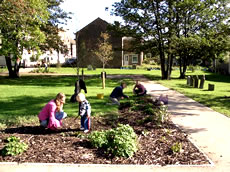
(139, 89)
(52, 113)
(117, 94)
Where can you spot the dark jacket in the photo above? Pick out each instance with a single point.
(79, 84)
(118, 92)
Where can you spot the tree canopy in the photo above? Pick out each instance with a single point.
(175, 28)
(29, 25)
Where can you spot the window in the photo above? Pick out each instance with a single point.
(134, 58)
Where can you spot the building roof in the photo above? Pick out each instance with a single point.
(98, 21)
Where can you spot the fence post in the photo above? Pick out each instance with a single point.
(202, 79)
(196, 81)
(188, 80)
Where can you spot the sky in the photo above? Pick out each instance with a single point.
(85, 11)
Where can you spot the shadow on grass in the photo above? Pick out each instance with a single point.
(49, 81)
(153, 77)
(23, 105)
(57, 81)
(35, 130)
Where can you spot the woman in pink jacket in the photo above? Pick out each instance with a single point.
(52, 114)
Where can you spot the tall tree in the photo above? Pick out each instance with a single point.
(52, 29)
(199, 22)
(30, 25)
(20, 29)
(167, 24)
(151, 21)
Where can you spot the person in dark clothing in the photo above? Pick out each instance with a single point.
(79, 85)
(139, 89)
(117, 94)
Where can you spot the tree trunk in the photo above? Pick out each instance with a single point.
(183, 66)
(170, 56)
(12, 73)
(160, 42)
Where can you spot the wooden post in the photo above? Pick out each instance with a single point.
(103, 79)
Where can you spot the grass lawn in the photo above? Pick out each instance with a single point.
(23, 98)
(218, 100)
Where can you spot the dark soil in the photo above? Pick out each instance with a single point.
(69, 145)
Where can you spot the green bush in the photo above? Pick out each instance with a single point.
(89, 67)
(120, 141)
(40, 70)
(14, 146)
(98, 139)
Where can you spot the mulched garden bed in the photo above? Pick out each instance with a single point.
(69, 145)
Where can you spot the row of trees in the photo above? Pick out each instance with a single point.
(183, 29)
(30, 25)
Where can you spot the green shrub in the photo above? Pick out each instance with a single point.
(14, 146)
(40, 70)
(89, 67)
(120, 141)
(134, 66)
(98, 139)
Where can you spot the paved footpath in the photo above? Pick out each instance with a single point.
(207, 129)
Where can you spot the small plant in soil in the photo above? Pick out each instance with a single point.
(163, 139)
(145, 132)
(161, 115)
(14, 146)
(176, 147)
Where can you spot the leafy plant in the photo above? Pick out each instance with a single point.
(14, 146)
(161, 115)
(120, 141)
(163, 139)
(2, 126)
(145, 133)
(176, 147)
(98, 139)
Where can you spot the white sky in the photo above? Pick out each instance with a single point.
(85, 11)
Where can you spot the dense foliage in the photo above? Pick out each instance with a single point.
(176, 30)
(14, 146)
(120, 141)
(29, 25)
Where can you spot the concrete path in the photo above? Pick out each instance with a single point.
(207, 129)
